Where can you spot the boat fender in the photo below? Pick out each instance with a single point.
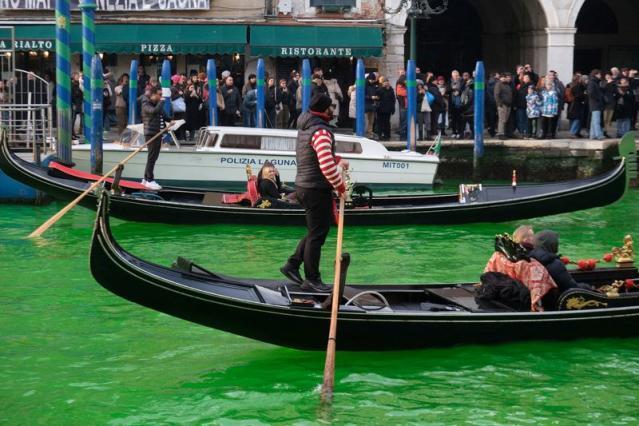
(147, 196)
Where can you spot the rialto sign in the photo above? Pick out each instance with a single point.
(27, 45)
(111, 5)
(316, 51)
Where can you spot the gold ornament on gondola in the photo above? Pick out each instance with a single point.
(624, 255)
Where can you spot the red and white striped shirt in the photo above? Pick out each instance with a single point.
(321, 141)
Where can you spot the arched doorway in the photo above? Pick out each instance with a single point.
(607, 35)
(503, 33)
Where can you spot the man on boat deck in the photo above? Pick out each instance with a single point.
(152, 107)
(317, 177)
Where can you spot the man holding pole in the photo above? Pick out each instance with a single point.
(317, 177)
(152, 117)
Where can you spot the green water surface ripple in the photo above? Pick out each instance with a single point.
(72, 353)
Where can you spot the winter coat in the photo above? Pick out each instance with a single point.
(533, 105)
(468, 100)
(386, 102)
(151, 116)
(624, 102)
(595, 95)
(232, 99)
(545, 252)
(577, 106)
(352, 105)
(503, 94)
(549, 103)
(370, 91)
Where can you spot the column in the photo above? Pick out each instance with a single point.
(561, 51)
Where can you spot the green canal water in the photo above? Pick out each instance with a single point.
(72, 353)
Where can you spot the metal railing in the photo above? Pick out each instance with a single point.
(27, 126)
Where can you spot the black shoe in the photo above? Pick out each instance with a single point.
(316, 286)
(291, 273)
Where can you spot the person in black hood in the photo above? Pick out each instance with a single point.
(546, 247)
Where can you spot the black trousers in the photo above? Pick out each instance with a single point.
(151, 157)
(318, 205)
(383, 118)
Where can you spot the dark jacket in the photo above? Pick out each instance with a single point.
(232, 99)
(468, 100)
(624, 104)
(386, 102)
(520, 95)
(439, 104)
(503, 94)
(545, 251)
(369, 91)
(309, 174)
(577, 107)
(151, 116)
(595, 95)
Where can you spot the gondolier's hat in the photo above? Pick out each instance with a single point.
(320, 102)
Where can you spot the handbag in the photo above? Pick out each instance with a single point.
(178, 104)
(425, 107)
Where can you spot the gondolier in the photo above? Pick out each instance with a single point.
(152, 107)
(317, 177)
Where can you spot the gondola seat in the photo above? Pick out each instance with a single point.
(57, 169)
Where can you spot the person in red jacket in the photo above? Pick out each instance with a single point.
(317, 177)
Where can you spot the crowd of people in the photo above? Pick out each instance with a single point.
(522, 104)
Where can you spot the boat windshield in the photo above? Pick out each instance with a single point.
(348, 147)
(206, 140)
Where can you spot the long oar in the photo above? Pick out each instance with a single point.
(46, 225)
(329, 366)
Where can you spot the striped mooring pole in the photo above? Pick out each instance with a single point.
(211, 76)
(360, 98)
(260, 121)
(411, 111)
(63, 79)
(97, 114)
(88, 51)
(133, 91)
(306, 85)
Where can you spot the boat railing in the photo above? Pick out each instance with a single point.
(27, 126)
(205, 139)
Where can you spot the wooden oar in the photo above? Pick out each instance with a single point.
(329, 366)
(46, 225)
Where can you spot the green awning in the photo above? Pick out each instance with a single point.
(141, 38)
(308, 41)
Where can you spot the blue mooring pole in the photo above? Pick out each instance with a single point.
(480, 93)
(211, 76)
(306, 85)
(411, 111)
(133, 91)
(165, 83)
(360, 101)
(97, 97)
(260, 122)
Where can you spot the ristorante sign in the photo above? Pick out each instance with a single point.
(315, 51)
(111, 5)
(5, 45)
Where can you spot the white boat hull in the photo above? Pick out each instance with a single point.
(227, 171)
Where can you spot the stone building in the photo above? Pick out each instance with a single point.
(564, 35)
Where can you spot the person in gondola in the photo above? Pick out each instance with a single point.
(515, 262)
(317, 177)
(546, 246)
(273, 194)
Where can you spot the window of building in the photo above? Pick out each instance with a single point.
(278, 143)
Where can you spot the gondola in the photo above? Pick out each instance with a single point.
(371, 317)
(184, 206)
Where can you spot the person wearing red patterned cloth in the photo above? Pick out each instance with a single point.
(317, 177)
(530, 272)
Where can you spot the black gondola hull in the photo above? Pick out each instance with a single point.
(239, 307)
(523, 203)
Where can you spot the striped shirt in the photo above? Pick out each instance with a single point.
(322, 141)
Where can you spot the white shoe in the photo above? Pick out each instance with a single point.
(153, 185)
(143, 182)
